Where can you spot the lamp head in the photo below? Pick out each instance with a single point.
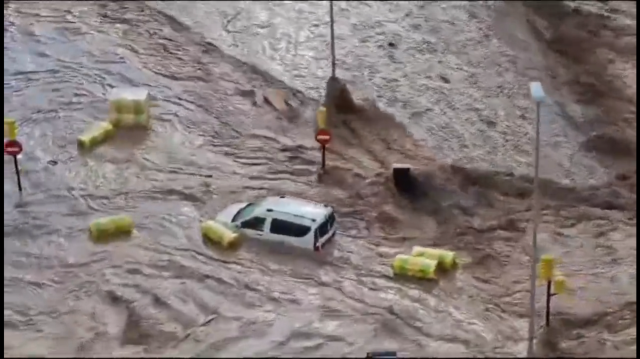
(537, 93)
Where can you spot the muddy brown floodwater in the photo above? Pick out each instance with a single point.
(453, 74)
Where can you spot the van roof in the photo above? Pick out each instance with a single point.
(296, 206)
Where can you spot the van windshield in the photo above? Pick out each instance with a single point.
(325, 227)
(245, 212)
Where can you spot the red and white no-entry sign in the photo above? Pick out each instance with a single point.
(323, 136)
(12, 148)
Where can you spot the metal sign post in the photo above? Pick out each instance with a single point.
(537, 93)
(556, 283)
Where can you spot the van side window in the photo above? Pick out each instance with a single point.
(289, 229)
(255, 224)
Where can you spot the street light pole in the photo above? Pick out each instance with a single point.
(537, 93)
(333, 40)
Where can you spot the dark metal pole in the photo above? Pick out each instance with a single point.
(15, 164)
(324, 151)
(547, 314)
(333, 41)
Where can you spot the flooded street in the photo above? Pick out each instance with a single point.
(463, 116)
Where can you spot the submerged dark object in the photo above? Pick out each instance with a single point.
(402, 178)
(338, 99)
(384, 354)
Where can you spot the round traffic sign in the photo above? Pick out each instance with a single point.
(12, 147)
(323, 136)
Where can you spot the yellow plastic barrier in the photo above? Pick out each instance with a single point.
(10, 129)
(417, 267)
(95, 136)
(321, 117)
(546, 267)
(129, 107)
(446, 259)
(559, 284)
(219, 234)
(107, 227)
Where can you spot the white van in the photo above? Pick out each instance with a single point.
(285, 219)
